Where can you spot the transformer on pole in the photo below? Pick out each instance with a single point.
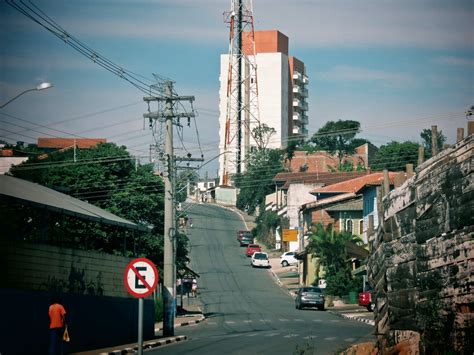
(242, 114)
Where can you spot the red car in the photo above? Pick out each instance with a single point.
(253, 248)
(365, 300)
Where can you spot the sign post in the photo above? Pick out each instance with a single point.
(140, 278)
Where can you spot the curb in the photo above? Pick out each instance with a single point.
(358, 319)
(191, 322)
(147, 345)
(277, 279)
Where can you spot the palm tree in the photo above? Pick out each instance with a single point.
(330, 247)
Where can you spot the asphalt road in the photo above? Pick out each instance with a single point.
(247, 312)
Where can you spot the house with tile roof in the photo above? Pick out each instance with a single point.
(365, 188)
(292, 190)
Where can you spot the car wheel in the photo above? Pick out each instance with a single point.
(321, 308)
(284, 263)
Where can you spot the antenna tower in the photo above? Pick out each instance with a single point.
(242, 113)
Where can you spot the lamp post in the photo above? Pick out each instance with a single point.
(42, 86)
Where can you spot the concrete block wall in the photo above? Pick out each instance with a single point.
(38, 267)
(422, 257)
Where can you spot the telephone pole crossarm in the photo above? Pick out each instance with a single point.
(187, 159)
(166, 98)
(156, 115)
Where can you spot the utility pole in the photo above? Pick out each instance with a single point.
(169, 263)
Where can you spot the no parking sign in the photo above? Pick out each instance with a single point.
(141, 277)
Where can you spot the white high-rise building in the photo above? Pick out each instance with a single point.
(282, 94)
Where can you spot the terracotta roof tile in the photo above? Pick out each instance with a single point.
(354, 185)
(315, 178)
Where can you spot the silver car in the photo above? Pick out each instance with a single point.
(310, 297)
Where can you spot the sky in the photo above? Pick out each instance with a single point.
(397, 67)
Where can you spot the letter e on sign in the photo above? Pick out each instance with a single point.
(141, 277)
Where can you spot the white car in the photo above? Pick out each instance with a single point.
(260, 259)
(288, 258)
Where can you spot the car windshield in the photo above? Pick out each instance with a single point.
(254, 246)
(311, 290)
(260, 256)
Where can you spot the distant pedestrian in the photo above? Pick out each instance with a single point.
(194, 288)
(57, 317)
(190, 222)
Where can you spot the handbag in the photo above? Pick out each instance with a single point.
(66, 335)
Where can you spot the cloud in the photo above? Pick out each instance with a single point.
(308, 23)
(350, 73)
(456, 61)
(346, 23)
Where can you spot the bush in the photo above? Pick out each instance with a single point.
(341, 283)
(159, 309)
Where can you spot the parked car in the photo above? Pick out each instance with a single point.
(246, 241)
(365, 300)
(260, 259)
(288, 258)
(242, 233)
(310, 296)
(252, 248)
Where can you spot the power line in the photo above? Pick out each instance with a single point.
(34, 13)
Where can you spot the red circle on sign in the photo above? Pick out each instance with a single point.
(131, 267)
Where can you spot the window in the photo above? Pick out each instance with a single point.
(349, 225)
(361, 226)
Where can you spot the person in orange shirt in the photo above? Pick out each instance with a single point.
(57, 317)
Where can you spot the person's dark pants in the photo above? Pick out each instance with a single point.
(56, 341)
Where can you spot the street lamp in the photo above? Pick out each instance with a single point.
(42, 86)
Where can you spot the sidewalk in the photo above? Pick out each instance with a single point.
(189, 315)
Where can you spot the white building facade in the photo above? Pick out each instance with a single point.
(282, 99)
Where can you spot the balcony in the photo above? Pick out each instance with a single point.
(297, 76)
(305, 79)
(300, 104)
(304, 118)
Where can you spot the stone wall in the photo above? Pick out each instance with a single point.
(422, 258)
(38, 267)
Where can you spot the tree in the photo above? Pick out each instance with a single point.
(394, 156)
(262, 135)
(257, 180)
(330, 247)
(107, 177)
(337, 138)
(426, 141)
(267, 222)
(292, 147)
